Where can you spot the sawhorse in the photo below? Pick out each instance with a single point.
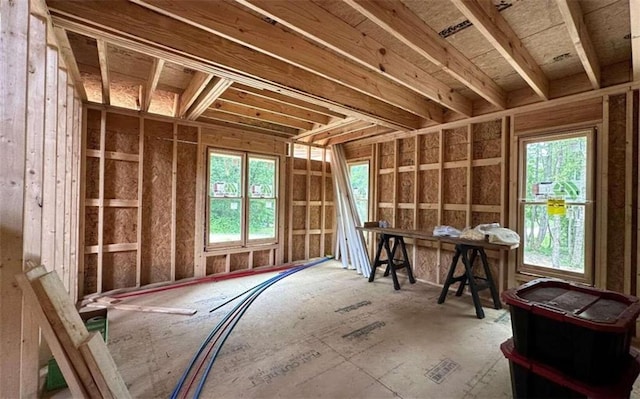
(468, 278)
(391, 262)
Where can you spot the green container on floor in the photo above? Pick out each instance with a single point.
(95, 320)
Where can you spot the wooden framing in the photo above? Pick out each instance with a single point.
(196, 85)
(574, 20)
(407, 27)
(103, 57)
(602, 198)
(486, 18)
(152, 83)
(208, 96)
(634, 17)
(628, 194)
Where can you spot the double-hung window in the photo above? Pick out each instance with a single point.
(242, 198)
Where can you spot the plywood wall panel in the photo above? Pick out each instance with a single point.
(261, 258)
(156, 214)
(407, 187)
(120, 179)
(487, 139)
(406, 151)
(429, 148)
(328, 244)
(120, 226)
(314, 246)
(155, 129)
(239, 261)
(328, 188)
(455, 144)
(185, 209)
(92, 182)
(455, 186)
(486, 185)
(386, 214)
(216, 264)
(118, 270)
(405, 219)
(122, 134)
(387, 158)
(314, 217)
(316, 166)
(300, 163)
(426, 266)
(315, 188)
(484, 217)
(298, 248)
(90, 274)
(329, 217)
(299, 187)
(91, 225)
(455, 219)
(427, 219)
(93, 129)
(188, 133)
(616, 194)
(386, 187)
(429, 186)
(299, 217)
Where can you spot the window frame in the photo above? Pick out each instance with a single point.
(244, 197)
(587, 277)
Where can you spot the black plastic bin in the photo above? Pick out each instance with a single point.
(582, 331)
(531, 379)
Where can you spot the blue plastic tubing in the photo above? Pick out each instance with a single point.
(236, 313)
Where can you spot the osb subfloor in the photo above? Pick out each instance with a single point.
(321, 333)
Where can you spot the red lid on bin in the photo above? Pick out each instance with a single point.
(619, 389)
(571, 303)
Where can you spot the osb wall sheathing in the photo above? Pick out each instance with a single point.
(616, 193)
(186, 204)
(216, 264)
(385, 187)
(386, 155)
(404, 219)
(407, 148)
(118, 270)
(239, 261)
(93, 129)
(429, 148)
(92, 181)
(429, 186)
(455, 187)
(314, 246)
(427, 219)
(407, 187)
(120, 226)
(261, 258)
(156, 198)
(298, 246)
(487, 140)
(122, 133)
(120, 179)
(455, 144)
(90, 273)
(486, 185)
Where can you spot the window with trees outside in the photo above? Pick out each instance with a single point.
(555, 206)
(359, 181)
(242, 198)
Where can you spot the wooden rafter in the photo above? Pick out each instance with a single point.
(287, 100)
(306, 136)
(265, 104)
(311, 21)
(197, 84)
(138, 29)
(358, 134)
(486, 18)
(338, 131)
(214, 89)
(404, 25)
(70, 61)
(254, 113)
(634, 14)
(252, 31)
(103, 58)
(152, 82)
(256, 125)
(574, 20)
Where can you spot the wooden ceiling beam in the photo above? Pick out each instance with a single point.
(152, 82)
(238, 120)
(634, 14)
(254, 32)
(396, 19)
(209, 95)
(265, 104)
(103, 58)
(311, 21)
(70, 61)
(138, 29)
(286, 100)
(359, 134)
(306, 136)
(490, 23)
(574, 20)
(254, 113)
(197, 84)
(340, 130)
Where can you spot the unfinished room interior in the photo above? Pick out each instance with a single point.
(307, 198)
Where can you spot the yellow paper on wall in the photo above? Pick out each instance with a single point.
(556, 207)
